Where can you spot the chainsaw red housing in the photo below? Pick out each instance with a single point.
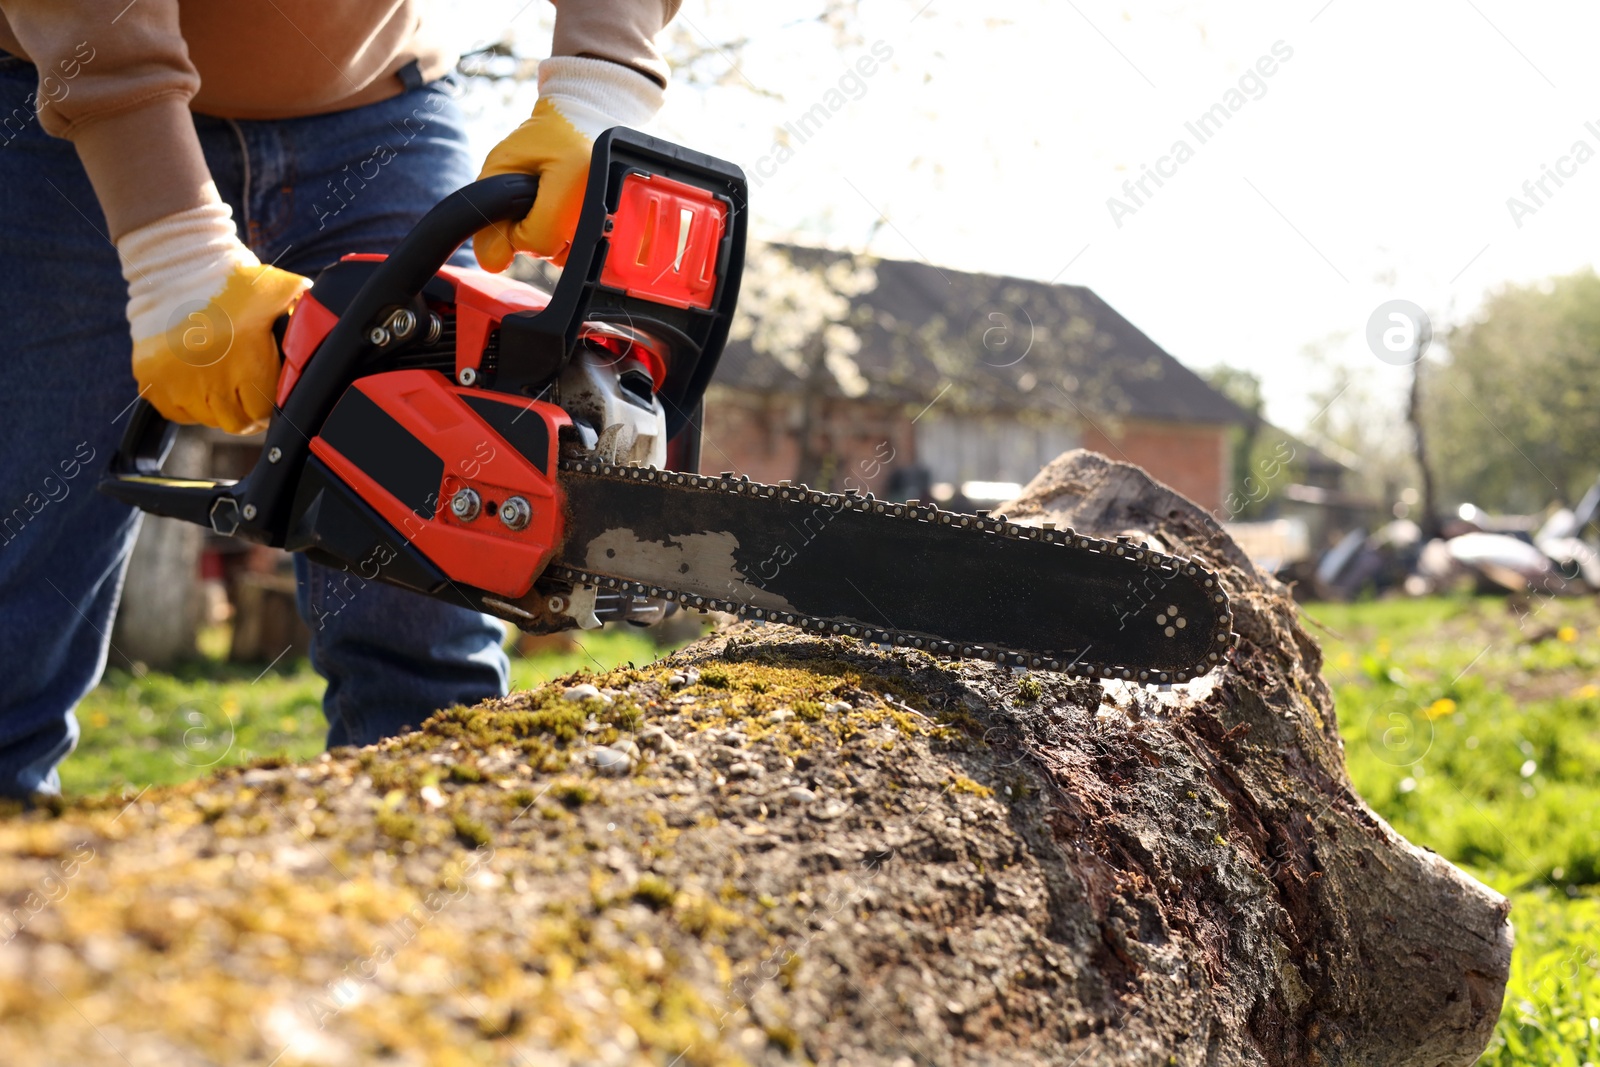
(481, 301)
(664, 239)
(408, 441)
(407, 384)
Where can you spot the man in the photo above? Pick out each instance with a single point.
(168, 163)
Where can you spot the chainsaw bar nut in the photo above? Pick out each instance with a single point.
(515, 513)
(465, 505)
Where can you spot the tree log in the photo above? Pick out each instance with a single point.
(775, 848)
(1340, 941)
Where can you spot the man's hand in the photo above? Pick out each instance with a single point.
(579, 98)
(200, 309)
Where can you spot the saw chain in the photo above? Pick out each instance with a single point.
(1161, 600)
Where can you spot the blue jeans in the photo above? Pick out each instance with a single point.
(391, 657)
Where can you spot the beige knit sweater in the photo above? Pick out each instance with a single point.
(119, 79)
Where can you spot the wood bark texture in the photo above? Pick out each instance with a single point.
(1319, 935)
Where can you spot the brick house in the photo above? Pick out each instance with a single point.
(912, 377)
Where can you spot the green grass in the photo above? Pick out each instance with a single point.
(1474, 728)
(165, 728)
(599, 652)
(161, 728)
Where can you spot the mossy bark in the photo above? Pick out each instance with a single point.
(772, 848)
(1327, 937)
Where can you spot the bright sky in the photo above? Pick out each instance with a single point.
(1374, 163)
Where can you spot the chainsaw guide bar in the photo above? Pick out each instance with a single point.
(903, 574)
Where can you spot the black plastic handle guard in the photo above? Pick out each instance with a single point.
(256, 507)
(534, 342)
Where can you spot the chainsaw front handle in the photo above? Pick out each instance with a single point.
(135, 473)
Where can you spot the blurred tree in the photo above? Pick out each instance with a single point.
(1428, 517)
(801, 316)
(1265, 458)
(1360, 414)
(1513, 415)
(1243, 388)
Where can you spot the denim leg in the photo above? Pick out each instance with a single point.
(393, 657)
(65, 388)
(320, 187)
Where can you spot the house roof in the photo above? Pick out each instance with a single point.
(981, 342)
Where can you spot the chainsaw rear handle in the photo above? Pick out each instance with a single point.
(148, 438)
(233, 508)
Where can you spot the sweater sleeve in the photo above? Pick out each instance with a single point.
(622, 31)
(116, 80)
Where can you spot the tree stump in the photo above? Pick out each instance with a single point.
(1340, 941)
(774, 848)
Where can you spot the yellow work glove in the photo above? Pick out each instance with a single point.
(200, 309)
(579, 98)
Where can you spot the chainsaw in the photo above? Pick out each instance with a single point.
(535, 456)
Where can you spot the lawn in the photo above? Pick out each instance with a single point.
(1472, 726)
(160, 728)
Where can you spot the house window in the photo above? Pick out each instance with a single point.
(988, 448)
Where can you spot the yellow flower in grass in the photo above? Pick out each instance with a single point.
(1586, 692)
(1567, 634)
(1440, 708)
